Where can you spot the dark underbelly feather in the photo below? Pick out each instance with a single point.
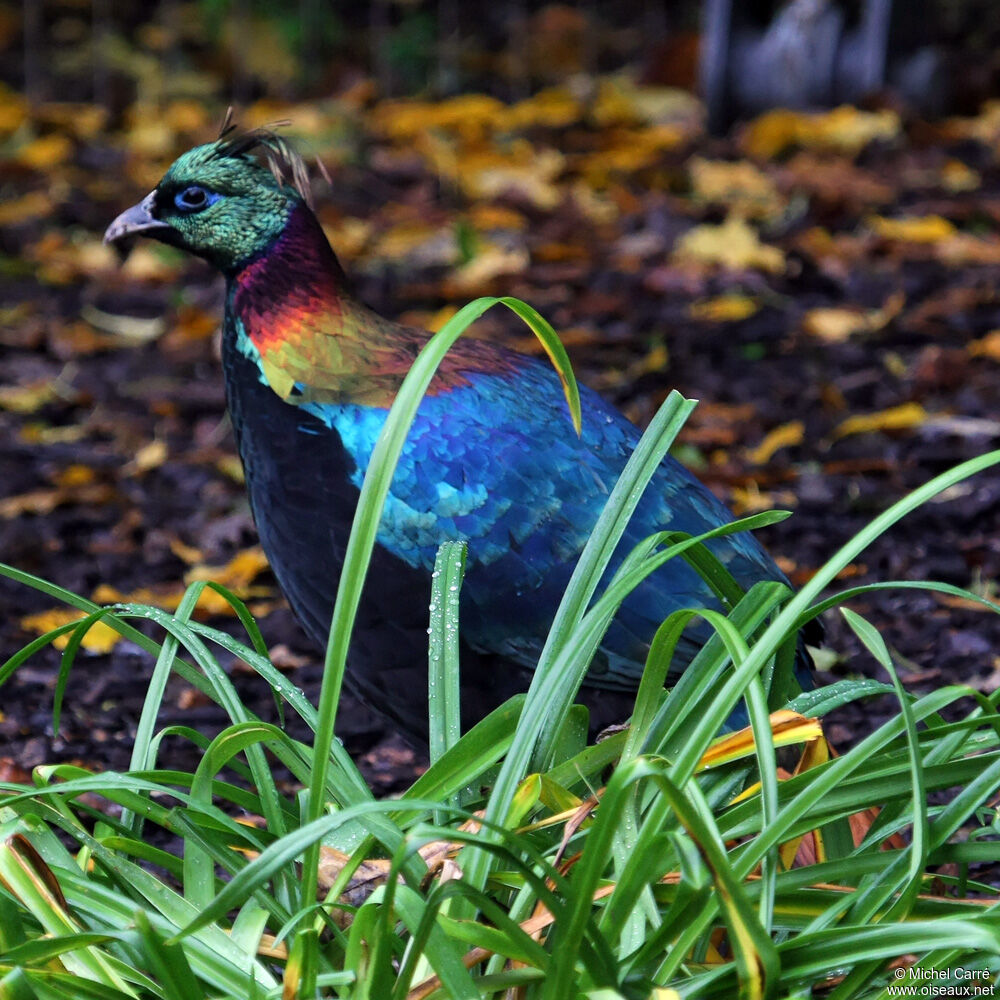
(303, 503)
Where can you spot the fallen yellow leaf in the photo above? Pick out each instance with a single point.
(834, 325)
(724, 308)
(45, 152)
(236, 574)
(956, 177)
(738, 185)
(913, 228)
(232, 467)
(186, 553)
(984, 127)
(33, 205)
(416, 240)
(149, 456)
(349, 236)
(27, 398)
(783, 436)
(895, 418)
(148, 263)
(734, 244)
(438, 319)
(750, 499)
(628, 150)
(470, 115)
(844, 129)
(787, 727)
(485, 217)
(13, 110)
(186, 116)
(987, 346)
(100, 637)
(84, 121)
(620, 101)
(554, 107)
(75, 475)
(46, 501)
(519, 169)
(838, 323)
(490, 262)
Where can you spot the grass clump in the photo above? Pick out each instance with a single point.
(658, 863)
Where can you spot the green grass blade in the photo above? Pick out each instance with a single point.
(443, 693)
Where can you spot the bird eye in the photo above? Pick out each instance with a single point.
(194, 199)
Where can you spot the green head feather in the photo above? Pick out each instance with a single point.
(223, 202)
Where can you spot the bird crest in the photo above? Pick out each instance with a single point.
(286, 164)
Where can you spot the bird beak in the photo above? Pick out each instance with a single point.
(135, 221)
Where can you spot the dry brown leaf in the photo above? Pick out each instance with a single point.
(193, 324)
(953, 601)
(964, 248)
(734, 244)
(833, 180)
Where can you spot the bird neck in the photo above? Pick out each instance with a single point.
(315, 343)
(295, 279)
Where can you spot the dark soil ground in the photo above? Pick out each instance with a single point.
(123, 527)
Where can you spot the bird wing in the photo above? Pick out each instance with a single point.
(494, 461)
